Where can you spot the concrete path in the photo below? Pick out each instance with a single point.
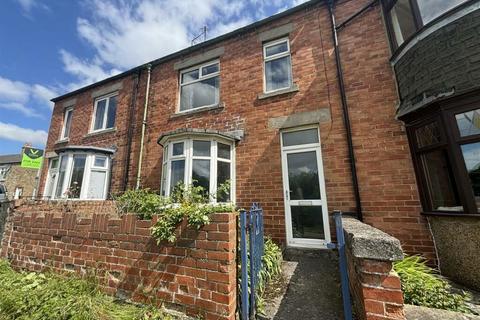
(313, 290)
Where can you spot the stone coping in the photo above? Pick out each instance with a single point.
(367, 242)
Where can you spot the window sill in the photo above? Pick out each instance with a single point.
(62, 141)
(451, 214)
(293, 88)
(219, 106)
(96, 133)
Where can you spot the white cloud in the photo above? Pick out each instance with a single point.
(20, 96)
(124, 34)
(13, 132)
(28, 6)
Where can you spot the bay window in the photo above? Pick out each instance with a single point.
(201, 162)
(200, 86)
(445, 142)
(406, 17)
(78, 175)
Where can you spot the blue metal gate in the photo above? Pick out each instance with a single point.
(251, 251)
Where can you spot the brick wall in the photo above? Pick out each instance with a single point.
(374, 286)
(196, 275)
(22, 178)
(386, 176)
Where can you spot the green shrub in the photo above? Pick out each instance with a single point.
(190, 203)
(422, 287)
(46, 296)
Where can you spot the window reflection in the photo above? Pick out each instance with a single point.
(471, 157)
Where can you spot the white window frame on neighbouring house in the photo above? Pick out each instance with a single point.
(3, 172)
(273, 57)
(105, 113)
(67, 123)
(201, 77)
(56, 189)
(189, 157)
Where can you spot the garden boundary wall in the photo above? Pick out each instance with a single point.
(195, 275)
(375, 288)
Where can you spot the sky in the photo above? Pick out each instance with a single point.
(51, 47)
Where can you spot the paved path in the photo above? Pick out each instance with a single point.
(314, 288)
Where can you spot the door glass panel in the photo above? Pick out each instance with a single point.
(468, 123)
(442, 192)
(471, 156)
(201, 148)
(300, 137)
(303, 175)
(201, 174)
(307, 222)
(77, 176)
(178, 173)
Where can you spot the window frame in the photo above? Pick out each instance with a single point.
(89, 167)
(66, 135)
(275, 57)
(105, 114)
(189, 157)
(444, 112)
(387, 6)
(200, 78)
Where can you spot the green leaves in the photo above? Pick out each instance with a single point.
(35, 296)
(422, 287)
(187, 202)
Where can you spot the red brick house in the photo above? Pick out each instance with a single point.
(262, 108)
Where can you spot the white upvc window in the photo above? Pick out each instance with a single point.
(199, 161)
(67, 123)
(104, 113)
(277, 65)
(3, 172)
(78, 175)
(200, 86)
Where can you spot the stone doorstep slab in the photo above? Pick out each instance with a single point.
(423, 313)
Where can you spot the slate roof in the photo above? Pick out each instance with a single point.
(10, 158)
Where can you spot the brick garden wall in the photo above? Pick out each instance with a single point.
(374, 286)
(196, 275)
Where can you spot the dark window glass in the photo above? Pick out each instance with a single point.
(303, 175)
(278, 74)
(300, 137)
(201, 148)
(201, 174)
(200, 94)
(112, 111)
(77, 176)
(431, 9)
(210, 69)
(468, 123)
(68, 124)
(428, 135)
(177, 149)
(307, 222)
(403, 21)
(223, 151)
(440, 182)
(276, 49)
(223, 181)
(99, 114)
(190, 76)
(178, 174)
(471, 156)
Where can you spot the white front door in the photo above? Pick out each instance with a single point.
(306, 211)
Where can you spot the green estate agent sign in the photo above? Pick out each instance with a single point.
(32, 158)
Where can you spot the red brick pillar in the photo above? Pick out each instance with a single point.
(374, 286)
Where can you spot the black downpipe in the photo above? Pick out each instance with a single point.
(346, 117)
(128, 150)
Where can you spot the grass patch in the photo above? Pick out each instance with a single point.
(48, 296)
(422, 287)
